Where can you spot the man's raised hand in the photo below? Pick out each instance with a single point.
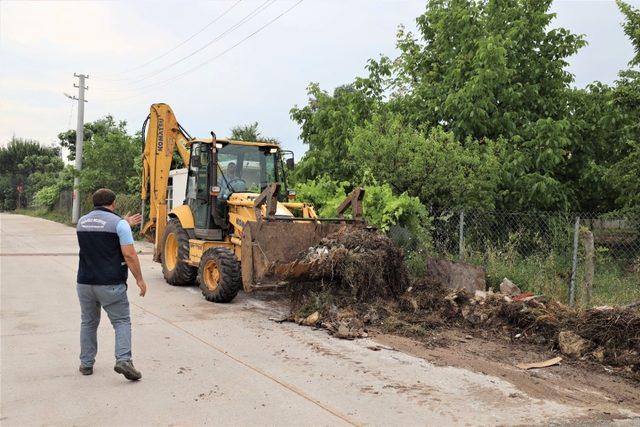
(133, 220)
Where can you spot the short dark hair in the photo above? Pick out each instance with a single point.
(103, 197)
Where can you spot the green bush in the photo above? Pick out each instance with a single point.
(47, 197)
(323, 193)
(398, 215)
(10, 200)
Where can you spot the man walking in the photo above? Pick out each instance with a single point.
(106, 250)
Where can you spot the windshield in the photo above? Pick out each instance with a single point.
(246, 168)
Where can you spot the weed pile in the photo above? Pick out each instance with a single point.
(360, 264)
(358, 283)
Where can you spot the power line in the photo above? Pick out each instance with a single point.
(263, 6)
(166, 81)
(187, 39)
(251, 15)
(216, 19)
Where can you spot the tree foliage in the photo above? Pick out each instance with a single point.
(249, 132)
(438, 169)
(477, 110)
(327, 123)
(29, 165)
(109, 156)
(382, 208)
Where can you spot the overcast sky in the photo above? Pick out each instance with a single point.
(326, 41)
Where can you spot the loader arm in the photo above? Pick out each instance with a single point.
(164, 136)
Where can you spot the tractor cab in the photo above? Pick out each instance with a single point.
(221, 168)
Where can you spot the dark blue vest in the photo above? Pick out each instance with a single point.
(101, 260)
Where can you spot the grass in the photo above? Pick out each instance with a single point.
(550, 275)
(46, 214)
(613, 283)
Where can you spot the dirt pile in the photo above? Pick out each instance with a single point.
(359, 283)
(360, 263)
(344, 279)
(609, 335)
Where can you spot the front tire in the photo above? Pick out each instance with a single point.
(175, 254)
(219, 275)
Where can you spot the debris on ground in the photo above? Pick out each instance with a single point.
(312, 319)
(360, 284)
(507, 287)
(361, 263)
(537, 365)
(455, 275)
(572, 344)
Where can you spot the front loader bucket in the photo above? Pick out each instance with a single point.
(269, 246)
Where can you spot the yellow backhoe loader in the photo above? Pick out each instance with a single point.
(238, 224)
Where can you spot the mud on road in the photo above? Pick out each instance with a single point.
(604, 395)
(575, 383)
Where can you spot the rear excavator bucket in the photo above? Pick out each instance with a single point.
(271, 247)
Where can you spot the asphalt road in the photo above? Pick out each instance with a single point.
(205, 363)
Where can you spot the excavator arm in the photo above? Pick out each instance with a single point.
(164, 136)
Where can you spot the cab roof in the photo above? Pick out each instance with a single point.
(234, 142)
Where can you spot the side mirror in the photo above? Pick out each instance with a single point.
(290, 163)
(195, 161)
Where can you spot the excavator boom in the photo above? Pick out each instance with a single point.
(163, 128)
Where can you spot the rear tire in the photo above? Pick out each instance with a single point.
(219, 275)
(175, 254)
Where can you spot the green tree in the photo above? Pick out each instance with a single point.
(28, 164)
(249, 132)
(67, 139)
(109, 156)
(625, 173)
(491, 77)
(438, 169)
(631, 27)
(482, 69)
(494, 70)
(327, 123)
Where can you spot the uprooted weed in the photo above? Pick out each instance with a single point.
(359, 282)
(358, 264)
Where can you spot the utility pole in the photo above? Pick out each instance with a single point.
(75, 211)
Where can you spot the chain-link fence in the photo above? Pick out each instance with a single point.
(584, 258)
(125, 203)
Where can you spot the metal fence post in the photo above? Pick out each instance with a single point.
(574, 266)
(589, 267)
(461, 238)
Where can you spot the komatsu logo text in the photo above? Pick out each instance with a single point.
(160, 134)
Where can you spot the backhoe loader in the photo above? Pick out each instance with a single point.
(238, 224)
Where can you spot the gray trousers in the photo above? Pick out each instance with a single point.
(115, 302)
